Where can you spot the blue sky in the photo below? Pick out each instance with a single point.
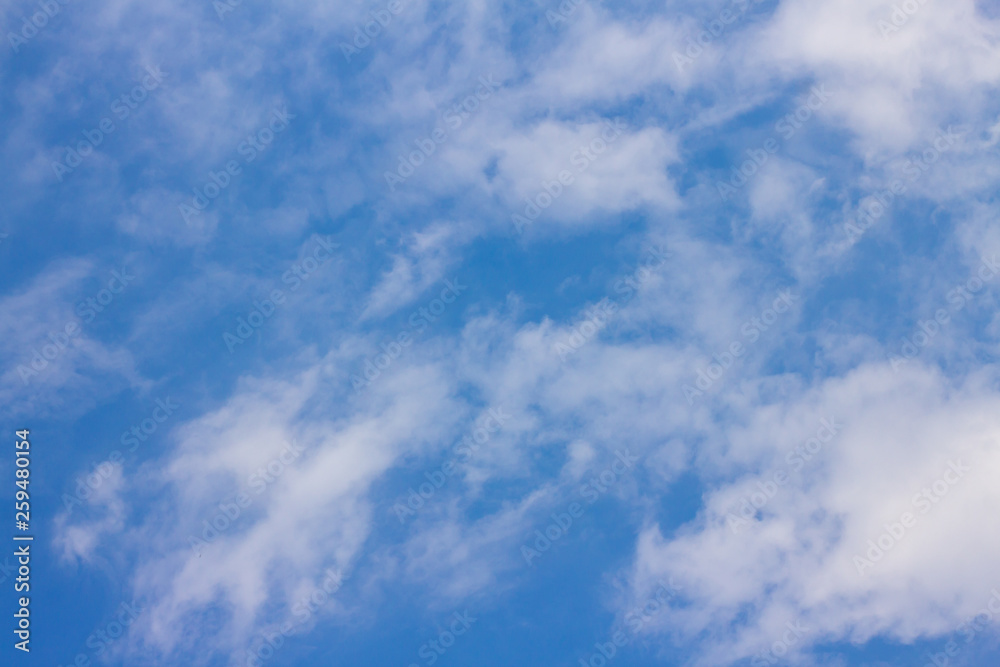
(522, 333)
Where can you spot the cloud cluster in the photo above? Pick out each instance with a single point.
(592, 147)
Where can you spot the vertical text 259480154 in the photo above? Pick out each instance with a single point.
(22, 518)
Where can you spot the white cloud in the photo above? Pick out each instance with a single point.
(427, 255)
(901, 434)
(892, 91)
(317, 503)
(54, 359)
